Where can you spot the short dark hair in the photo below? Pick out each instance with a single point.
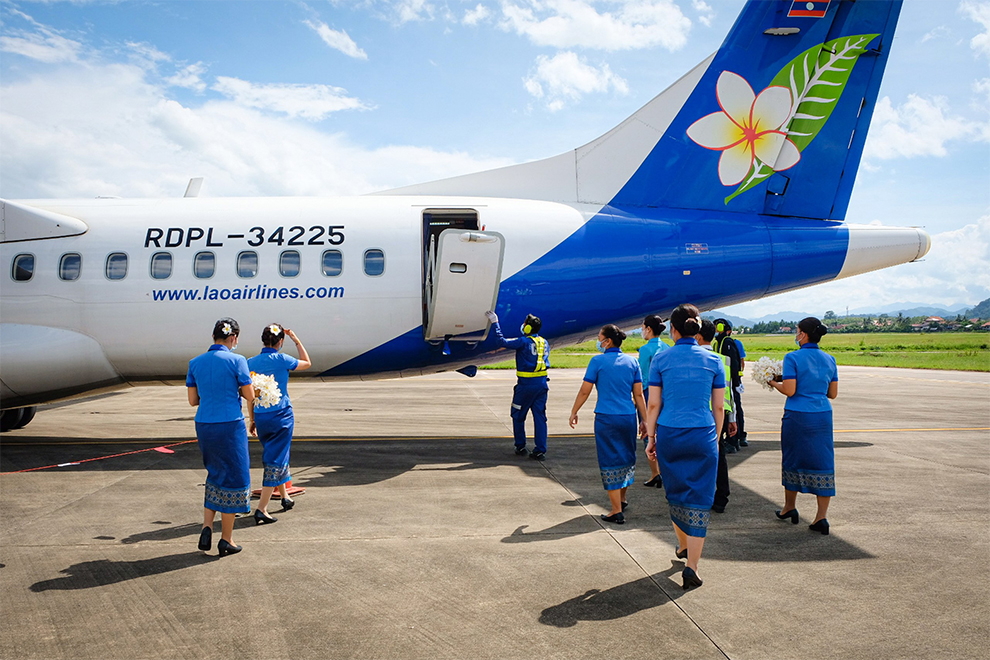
(686, 319)
(224, 328)
(654, 323)
(269, 338)
(612, 333)
(707, 330)
(812, 327)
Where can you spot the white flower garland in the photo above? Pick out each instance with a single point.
(266, 392)
(766, 369)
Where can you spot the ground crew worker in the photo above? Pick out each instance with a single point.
(530, 392)
(728, 426)
(726, 345)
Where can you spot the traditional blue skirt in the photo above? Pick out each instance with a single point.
(275, 433)
(807, 454)
(688, 460)
(228, 466)
(615, 438)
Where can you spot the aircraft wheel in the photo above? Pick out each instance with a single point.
(9, 419)
(26, 417)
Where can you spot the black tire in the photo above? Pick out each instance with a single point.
(9, 419)
(26, 417)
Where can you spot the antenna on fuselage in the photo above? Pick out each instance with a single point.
(192, 190)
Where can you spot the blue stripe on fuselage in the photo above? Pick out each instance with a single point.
(626, 263)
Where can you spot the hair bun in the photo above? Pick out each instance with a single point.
(823, 329)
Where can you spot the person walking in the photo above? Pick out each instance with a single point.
(684, 419)
(530, 392)
(725, 344)
(274, 424)
(810, 378)
(728, 424)
(620, 398)
(216, 382)
(653, 327)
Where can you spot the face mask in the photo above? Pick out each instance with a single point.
(598, 345)
(522, 328)
(797, 342)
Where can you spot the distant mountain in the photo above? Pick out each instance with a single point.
(981, 311)
(905, 308)
(736, 321)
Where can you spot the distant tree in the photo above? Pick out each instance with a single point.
(829, 315)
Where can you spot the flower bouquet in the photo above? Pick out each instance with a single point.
(266, 392)
(767, 369)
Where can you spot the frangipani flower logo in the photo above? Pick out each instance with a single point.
(760, 135)
(747, 130)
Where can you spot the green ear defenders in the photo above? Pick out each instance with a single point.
(721, 325)
(531, 324)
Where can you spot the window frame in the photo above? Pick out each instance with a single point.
(151, 265)
(212, 272)
(364, 262)
(13, 265)
(106, 266)
(281, 255)
(322, 263)
(61, 260)
(237, 264)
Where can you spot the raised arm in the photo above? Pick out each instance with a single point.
(304, 361)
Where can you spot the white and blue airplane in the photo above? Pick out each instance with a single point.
(731, 185)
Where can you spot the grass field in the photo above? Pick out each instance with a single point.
(963, 351)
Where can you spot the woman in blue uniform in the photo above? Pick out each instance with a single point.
(653, 327)
(684, 419)
(620, 397)
(810, 379)
(274, 424)
(216, 381)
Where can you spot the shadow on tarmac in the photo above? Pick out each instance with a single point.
(103, 572)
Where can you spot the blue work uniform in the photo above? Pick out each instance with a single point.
(530, 392)
(687, 448)
(615, 374)
(218, 376)
(806, 447)
(276, 423)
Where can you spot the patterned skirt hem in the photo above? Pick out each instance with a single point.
(275, 475)
(616, 478)
(814, 483)
(693, 521)
(227, 500)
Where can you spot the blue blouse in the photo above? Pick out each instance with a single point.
(614, 373)
(272, 363)
(646, 353)
(814, 370)
(218, 376)
(687, 373)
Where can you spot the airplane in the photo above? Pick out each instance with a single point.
(730, 185)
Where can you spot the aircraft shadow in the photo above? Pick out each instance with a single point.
(103, 572)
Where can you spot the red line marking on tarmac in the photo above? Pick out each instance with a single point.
(163, 449)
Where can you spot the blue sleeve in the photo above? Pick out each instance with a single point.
(242, 371)
(719, 381)
(637, 373)
(290, 362)
(515, 343)
(790, 366)
(835, 370)
(656, 376)
(591, 374)
(742, 351)
(190, 379)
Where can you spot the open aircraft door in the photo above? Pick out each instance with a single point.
(464, 270)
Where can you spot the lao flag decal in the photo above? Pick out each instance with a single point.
(807, 9)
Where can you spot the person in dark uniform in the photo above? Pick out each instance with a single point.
(216, 382)
(530, 392)
(726, 345)
(728, 425)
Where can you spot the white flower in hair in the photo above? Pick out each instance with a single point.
(767, 369)
(274, 329)
(227, 330)
(266, 392)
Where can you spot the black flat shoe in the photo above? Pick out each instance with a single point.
(792, 514)
(521, 451)
(743, 443)
(682, 553)
(616, 518)
(262, 519)
(690, 579)
(537, 455)
(656, 482)
(226, 548)
(718, 508)
(820, 526)
(206, 539)
(287, 503)
(624, 505)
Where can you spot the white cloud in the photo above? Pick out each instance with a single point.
(936, 33)
(578, 23)
(953, 272)
(148, 52)
(919, 127)
(705, 12)
(189, 77)
(312, 102)
(44, 46)
(116, 131)
(476, 15)
(413, 10)
(980, 13)
(338, 40)
(566, 77)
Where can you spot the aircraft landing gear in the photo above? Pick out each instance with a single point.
(16, 418)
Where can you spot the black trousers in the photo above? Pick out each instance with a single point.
(740, 421)
(722, 475)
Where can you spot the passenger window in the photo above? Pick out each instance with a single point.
(23, 267)
(116, 266)
(69, 266)
(374, 262)
(288, 263)
(204, 265)
(333, 263)
(247, 264)
(161, 265)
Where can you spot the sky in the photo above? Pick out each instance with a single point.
(271, 97)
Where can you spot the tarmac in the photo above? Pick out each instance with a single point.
(421, 535)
